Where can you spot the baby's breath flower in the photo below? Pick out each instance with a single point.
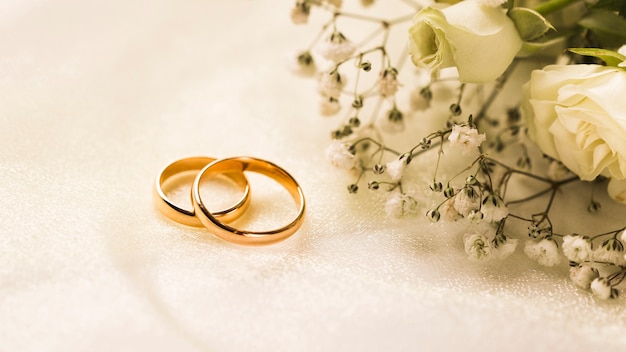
(395, 169)
(465, 138)
(394, 122)
(378, 169)
(436, 186)
(399, 205)
(300, 12)
(466, 201)
(354, 122)
(329, 106)
(420, 99)
(601, 288)
(505, 249)
(433, 215)
(448, 213)
(475, 216)
(339, 155)
(594, 206)
(477, 246)
(302, 64)
(534, 230)
(336, 48)
(388, 82)
(331, 84)
(577, 249)
(607, 254)
(557, 171)
(455, 109)
(493, 208)
(582, 275)
(395, 115)
(544, 252)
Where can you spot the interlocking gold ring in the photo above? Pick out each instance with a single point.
(231, 234)
(188, 217)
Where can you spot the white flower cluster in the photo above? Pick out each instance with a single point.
(602, 288)
(302, 9)
(455, 42)
(302, 64)
(399, 205)
(583, 275)
(300, 12)
(337, 48)
(467, 203)
(338, 155)
(585, 260)
(329, 106)
(395, 168)
(466, 139)
(331, 84)
(545, 252)
(493, 208)
(485, 245)
(577, 249)
(388, 82)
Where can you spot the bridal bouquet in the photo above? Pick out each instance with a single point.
(507, 107)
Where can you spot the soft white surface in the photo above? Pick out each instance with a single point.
(98, 95)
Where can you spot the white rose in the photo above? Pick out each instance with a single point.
(617, 190)
(481, 41)
(577, 114)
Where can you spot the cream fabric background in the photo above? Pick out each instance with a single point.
(97, 95)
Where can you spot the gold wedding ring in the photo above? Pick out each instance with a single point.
(188, 217)
(234, 166)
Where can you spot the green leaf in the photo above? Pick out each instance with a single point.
(530, 48)
(611, 58)
(611, 5)
(529, 23)
(609, 27)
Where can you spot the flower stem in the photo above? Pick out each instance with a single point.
(494, 92)
(551, 6)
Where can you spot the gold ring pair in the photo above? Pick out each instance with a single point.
(234, 169)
